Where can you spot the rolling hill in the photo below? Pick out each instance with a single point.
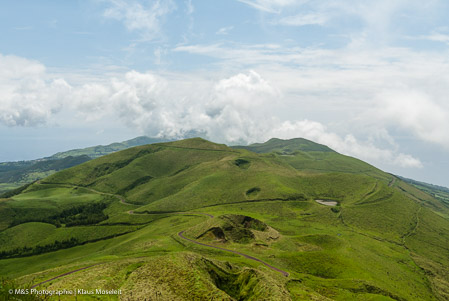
(195, 220)
(16, 174)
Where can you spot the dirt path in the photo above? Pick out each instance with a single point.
(121, 199)
(393, 180)
(414, 228)
(65, 274)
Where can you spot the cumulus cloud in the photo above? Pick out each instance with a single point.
(27, 98)
(239, 106)
(236, 109)
(387, 88)
(416, 111)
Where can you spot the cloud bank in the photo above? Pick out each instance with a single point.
(237, 109)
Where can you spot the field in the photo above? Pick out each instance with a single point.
(384, 240)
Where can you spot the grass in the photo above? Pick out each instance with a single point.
(335, 251)
(383, 243)
(438, 192)
(4, 187)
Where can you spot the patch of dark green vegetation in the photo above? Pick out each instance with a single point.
(138, 182)
(29, 251)
(253, 191)
(216, 232)
(242, 163)
(245, 222)
(335, 209)
(181, 170)
(88, 214)
(25, 215)
(55, 246)
(16, 191)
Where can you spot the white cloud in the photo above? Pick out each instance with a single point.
(27, 98)
(373, 22)
(407, 88)
(224, 30)
(146, 19)
(236, 109)
(271, 6)
(303, 19)
(404, 160)
(417, 112)
(189, 7)
(436, 37)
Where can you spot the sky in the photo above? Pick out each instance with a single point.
(367, 78)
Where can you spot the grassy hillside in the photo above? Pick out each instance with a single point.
(102, 150)
(16, 174)
(439, 192)
(118, 218)
(312, 157)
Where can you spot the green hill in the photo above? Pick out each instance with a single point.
(286, 146)
(101, 150)
(309, 156)
(192, 219)
(16, 174)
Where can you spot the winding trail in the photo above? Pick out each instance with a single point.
(65, 274)
(414, 228)
(392, 182)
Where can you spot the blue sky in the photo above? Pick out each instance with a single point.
(369, 79)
